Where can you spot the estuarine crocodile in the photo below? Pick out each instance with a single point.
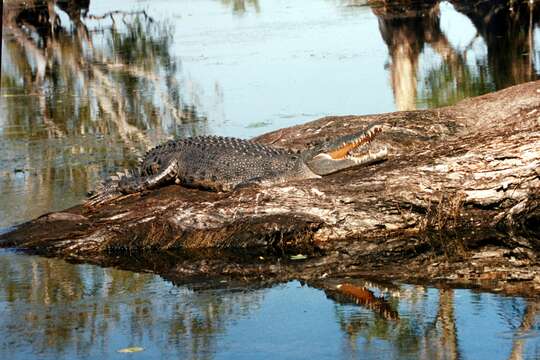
(224, 163)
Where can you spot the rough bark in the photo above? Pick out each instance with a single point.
(458, 201)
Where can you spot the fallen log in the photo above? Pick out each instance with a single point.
(457, 201)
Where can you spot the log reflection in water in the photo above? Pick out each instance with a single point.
(83, 309)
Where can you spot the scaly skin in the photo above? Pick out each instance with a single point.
(223, 164)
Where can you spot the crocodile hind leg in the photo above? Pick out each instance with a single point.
(129, 185)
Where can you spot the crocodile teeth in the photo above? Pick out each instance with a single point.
(366, 139)
(353, 158)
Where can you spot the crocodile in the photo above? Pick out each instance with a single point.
(224, 163)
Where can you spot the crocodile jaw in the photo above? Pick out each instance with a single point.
(324, 164)
(345, 155)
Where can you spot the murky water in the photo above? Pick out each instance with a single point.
(85, 96)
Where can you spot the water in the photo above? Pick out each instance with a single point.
(84, 99)
(54, 310)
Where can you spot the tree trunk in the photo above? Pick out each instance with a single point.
(458, 201)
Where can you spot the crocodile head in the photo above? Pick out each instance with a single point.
(345, 152)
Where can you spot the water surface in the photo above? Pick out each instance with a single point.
(55, 310)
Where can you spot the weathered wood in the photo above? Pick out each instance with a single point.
(458, 200)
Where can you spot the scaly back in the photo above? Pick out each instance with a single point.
(220, 163)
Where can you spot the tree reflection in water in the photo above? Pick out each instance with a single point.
(65, 309)
(83, 100)
(505, 28)
(427, 327)
(239, 7)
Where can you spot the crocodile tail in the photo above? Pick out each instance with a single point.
(105, 192)
(101, 197)
(108, 190)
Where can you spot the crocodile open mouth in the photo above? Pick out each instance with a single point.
(350, 149)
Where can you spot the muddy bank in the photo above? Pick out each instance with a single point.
(457, 202)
